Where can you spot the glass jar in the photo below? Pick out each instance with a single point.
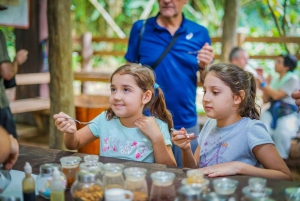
(43, 180)
(5, 178)
(91, 164)
(87, 187)
(162, 186)
(188, 193)
(195, 178)
(70, 166)
(113, 175)
(135, 181)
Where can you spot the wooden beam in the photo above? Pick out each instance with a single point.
(108, 18)
(32, 78)
(148, 9)
(273, 39)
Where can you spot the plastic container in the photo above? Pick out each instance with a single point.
(135, 181)
(44, 178)
(70, 166)
(87, 187)
(5, 178)
(113, 175)
(28, 184)
(162, 186)
(225, 186)
(57, 187)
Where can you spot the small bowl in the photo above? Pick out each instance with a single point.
(292, 194)
(225, 186)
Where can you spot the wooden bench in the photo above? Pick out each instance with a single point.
(37, 105)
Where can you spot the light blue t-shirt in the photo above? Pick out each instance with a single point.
(122, 142)
(231, 143)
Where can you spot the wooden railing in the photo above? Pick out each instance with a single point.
(87, 51)
(86, 43)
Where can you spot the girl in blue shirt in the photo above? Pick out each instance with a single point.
(124, 131)
(233, 141)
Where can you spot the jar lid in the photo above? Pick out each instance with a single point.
(70, 160)
(162, 176)
(188, 192)
(47, 168)
(91, 158)
(86, 176)
(10, 198)
(113, 167)
(135, 172)
(94, 167)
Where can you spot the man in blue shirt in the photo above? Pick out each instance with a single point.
(176, 74)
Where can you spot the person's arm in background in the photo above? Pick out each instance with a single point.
(9, 149)
(9, 69)
(296, 96)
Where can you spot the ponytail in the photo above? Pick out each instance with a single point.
(249, 107)
(158, 108)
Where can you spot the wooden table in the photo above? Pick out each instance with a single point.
(38, 156)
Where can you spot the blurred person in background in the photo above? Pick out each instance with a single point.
(281, 117)
(8, 70)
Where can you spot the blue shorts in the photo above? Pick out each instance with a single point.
(7, 121)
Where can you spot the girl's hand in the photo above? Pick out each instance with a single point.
(182, 139)
(149, 127)
(63, 124)
(224, 169)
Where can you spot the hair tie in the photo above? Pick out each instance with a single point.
(155, 86)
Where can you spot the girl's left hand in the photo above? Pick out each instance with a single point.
(148, 126)
(224, 169)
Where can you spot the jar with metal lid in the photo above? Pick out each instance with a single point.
(5, 178)
(87, 187)
(113, 175)
(135, 181)
(162, 186)
(10, 198)
(43, 180)
(188, 193)
(92, 164)
(70, 166)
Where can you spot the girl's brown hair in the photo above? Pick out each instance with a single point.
(145, 79)
(238, 79)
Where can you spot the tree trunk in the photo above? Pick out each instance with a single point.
(229, 28)
(60, 66)
(29, 39)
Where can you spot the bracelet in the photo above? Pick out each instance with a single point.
(263, 84)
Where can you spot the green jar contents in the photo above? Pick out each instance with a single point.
(57, 188)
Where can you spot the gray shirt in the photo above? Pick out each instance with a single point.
(231, 143)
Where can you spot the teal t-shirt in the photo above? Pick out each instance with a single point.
(122, 142)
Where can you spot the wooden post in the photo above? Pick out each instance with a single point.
(240, 39)
(229, 28)
(60, 65)
(86, 54)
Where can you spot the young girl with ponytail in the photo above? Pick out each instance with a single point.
(233, 141)
(124, 131)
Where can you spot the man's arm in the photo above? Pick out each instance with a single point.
(205, 57)
(9, 69)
